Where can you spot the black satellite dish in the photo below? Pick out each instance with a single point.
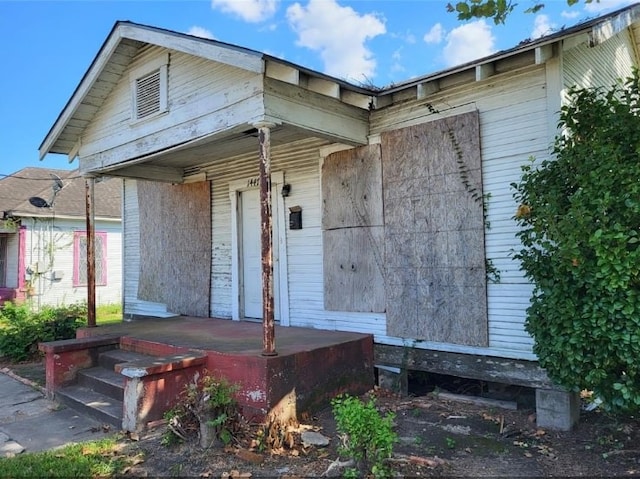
(39, 202)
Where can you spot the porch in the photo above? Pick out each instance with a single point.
(311, 366)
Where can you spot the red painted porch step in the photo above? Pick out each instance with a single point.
(99, 391)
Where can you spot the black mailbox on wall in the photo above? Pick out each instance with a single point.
(295, 218)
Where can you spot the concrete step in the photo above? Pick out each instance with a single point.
(102, 380)
(102, 408)
(109, 359)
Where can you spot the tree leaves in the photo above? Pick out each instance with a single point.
(580, 245)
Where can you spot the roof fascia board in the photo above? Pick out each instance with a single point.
(601, 32)
(250, 61)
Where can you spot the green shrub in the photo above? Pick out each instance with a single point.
(368, 437)
(580, 219)
(21, 329)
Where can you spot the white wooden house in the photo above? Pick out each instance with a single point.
(377, 195)
(43, 238)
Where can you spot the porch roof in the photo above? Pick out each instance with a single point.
(126, 40)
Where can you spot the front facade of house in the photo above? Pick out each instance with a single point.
(392, 210)
(43, 249)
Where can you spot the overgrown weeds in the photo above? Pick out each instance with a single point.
(367, 436)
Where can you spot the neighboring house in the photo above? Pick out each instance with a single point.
(43, 229)
(377, 195)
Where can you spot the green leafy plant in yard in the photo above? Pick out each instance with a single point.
(207, 409)
(367, 436)
(22, 329)
(580, 230)
(91, 459)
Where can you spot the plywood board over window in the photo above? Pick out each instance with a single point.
(435, 275)
(175, 246)
(353, 231)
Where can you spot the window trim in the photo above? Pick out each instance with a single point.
(160, 64)
(77, 235)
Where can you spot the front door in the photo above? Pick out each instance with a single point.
(251, 254)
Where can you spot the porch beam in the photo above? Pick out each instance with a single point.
(266, 239)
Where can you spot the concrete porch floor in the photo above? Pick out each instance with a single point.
(223, 335)
(311, 366)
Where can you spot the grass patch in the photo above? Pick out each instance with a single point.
(108, 314)
(102, 458)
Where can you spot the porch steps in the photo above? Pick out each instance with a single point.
(99, 391)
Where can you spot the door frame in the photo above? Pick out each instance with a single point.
(279, 244)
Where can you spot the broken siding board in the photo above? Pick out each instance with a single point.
(434, 237)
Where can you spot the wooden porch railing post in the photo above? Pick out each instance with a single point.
(266, 241)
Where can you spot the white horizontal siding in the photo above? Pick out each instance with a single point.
(602, 65)
(132, 305)
(49, 243)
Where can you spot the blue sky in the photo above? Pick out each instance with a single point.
(46, 46)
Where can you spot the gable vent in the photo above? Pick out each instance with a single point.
(148, 101)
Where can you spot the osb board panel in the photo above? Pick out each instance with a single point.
(352, 188)
(353, 279)
(353, 235)
(435, 276)
(175, 246)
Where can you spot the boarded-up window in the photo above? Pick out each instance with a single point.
(353, 232)
(434, 232)
(175, 246)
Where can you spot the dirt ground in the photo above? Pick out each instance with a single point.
(437, 437)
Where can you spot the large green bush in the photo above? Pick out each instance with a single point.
(580, 219)
(21, 329)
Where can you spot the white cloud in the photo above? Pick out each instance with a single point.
(570, 14)
(435, 35)
(252, 11)
(542, 26)
(339, 34)
(197, 31)
(597, 7)
(468, 42)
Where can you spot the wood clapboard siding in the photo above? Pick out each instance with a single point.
(133, 306)
(44, 236)
(194, 101)
(601, 65)
(514, 122)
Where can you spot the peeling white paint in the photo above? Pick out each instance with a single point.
(256, 395)
(134, 372)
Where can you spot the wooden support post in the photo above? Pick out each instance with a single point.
(91, 258)
(266, 241)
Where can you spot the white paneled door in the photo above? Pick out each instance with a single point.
(250, 242)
